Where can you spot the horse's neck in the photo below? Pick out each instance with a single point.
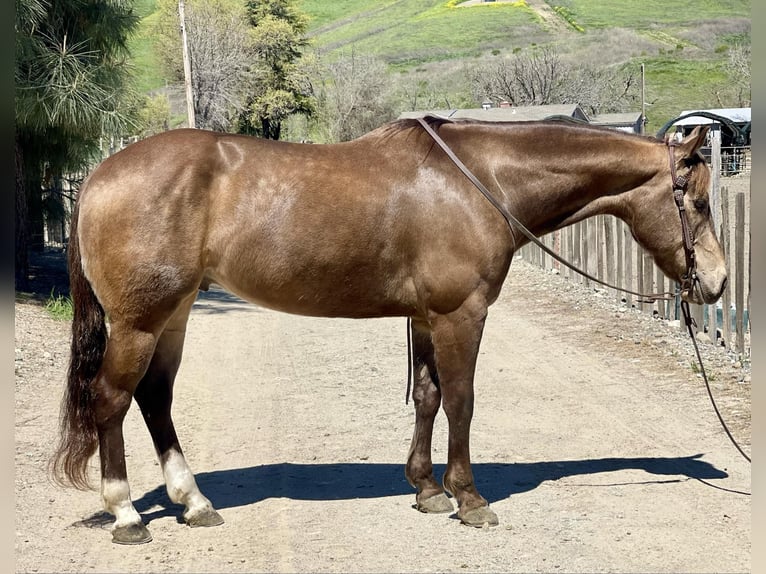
(573, 176)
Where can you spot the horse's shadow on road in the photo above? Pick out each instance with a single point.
(347, 481)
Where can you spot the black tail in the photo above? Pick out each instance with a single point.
(78, 432)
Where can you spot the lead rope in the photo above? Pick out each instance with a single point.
(679, 187)
(409, 360)
(678, 184)
(689, 327)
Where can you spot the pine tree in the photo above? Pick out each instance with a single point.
(72, 85)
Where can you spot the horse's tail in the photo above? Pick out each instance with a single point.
(78, 433)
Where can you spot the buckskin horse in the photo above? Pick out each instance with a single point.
(384, 225)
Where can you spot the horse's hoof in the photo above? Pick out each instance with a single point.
(207, 517)
(436, 504)
(131, 534)
(479, 517)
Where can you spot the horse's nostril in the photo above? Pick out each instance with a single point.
(723, 286)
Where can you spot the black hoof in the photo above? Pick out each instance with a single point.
(479, 517)
(131, 534)
(436, 504)
(204, 518)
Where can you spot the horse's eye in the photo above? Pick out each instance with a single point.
(700, 205)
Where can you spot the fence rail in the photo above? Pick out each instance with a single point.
(604, 247)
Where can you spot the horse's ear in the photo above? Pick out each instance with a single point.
(692, 143)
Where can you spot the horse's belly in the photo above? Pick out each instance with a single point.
(322, 293)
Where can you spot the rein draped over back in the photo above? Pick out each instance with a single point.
(512, 222)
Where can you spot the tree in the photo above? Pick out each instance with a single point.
(71, 87)
(282, 86)
(541, 77)
(738, 69)
(444, 87)
(246, 61)
(220, 50)
(354, 97)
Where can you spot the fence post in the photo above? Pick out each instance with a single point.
(598, 234)
(609, 244)
(586, 249)
(739, 295)
(715, 208)
(620, 271)
(578, 249)
(640, 273)
(726, 242)
(628, 256)
(649, 278)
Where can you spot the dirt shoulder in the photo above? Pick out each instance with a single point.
(592, 439)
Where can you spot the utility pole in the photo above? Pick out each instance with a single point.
(643, 101)
(187, 66)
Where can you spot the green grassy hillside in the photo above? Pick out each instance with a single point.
(683, 43)
(416, 31)
(145, 63)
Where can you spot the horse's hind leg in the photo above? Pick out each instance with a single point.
(127, 356)
(154, 396)
(427, 397)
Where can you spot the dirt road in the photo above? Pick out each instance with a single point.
(593, 441)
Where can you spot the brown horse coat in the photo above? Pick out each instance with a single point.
(384, 225)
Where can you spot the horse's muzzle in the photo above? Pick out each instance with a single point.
(699, 295)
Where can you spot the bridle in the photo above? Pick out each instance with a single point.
(688, 280)
(680, 183)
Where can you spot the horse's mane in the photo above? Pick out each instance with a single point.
(401, 125)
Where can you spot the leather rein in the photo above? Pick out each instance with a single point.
(679, 189)
(688, 280)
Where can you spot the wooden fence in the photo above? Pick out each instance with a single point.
(604, 247)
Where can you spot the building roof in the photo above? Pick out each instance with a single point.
(509, 114)
(736, 115)
(626, 119)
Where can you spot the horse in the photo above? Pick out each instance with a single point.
(384, 225)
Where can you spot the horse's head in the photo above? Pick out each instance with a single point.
(698, 261)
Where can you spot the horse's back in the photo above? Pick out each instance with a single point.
(367, 228)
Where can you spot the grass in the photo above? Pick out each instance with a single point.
(411, 32)
(650, 13)
(675, 85)
(59, 307)
(146, 65)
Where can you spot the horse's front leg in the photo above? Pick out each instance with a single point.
(427, 397)
(456, 338)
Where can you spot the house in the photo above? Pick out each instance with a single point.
(626, 122)
(506, 113)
